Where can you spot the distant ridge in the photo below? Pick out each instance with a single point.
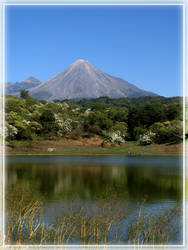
(12, 88)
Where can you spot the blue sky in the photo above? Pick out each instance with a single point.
(141, 44)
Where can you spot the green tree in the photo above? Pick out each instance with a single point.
(15, 104)
(98, 118)
(118, 114)
(24, 94)
(47, 120)
(99, 107)
(174, 111)
(133, 121)
(25, 132)
(121, 127)
(168, 132)
(139, 131)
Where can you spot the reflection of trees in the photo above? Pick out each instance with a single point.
(88, 181)
(153, 185)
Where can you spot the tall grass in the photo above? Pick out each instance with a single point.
(101, 225)
(155, 229)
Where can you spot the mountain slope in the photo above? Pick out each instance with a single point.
(13, 88)
(83, 80)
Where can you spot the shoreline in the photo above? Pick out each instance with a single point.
(72, 148)
(92, 155)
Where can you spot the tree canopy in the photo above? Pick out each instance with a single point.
(146, 119)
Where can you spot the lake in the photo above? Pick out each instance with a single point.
(134, 187)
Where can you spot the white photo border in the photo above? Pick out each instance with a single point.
(3, 4)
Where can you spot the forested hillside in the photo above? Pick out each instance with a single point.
(145, 119)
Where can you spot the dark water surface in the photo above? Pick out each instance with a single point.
(68, 181)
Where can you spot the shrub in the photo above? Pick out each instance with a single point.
(138, 131)
(10, 131)
(113, 136)
(47, 120)
(64, 125)
(98, 118)
(147, 138)
(167, 132)
(24, 94)
(95, 129)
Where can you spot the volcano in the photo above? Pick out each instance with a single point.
(83, 80)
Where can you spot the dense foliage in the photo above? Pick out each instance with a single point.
(145, 119)
(128, 102)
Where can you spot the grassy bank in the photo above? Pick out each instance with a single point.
(88, 147)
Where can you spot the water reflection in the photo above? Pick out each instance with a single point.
(107, 187)
(85, 177)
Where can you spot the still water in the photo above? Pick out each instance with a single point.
(153, 183)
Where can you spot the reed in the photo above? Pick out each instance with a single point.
(100, 226)
(161, 228)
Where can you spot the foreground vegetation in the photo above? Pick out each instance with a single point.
(25, 223)
(145, 120)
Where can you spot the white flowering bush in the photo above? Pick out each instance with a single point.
(76, 110)
(113, 136)
(25, 122)
(117, 133)
(10, 131)
(146, 138)
(64, 124)
(87, 112)
(64, 105)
